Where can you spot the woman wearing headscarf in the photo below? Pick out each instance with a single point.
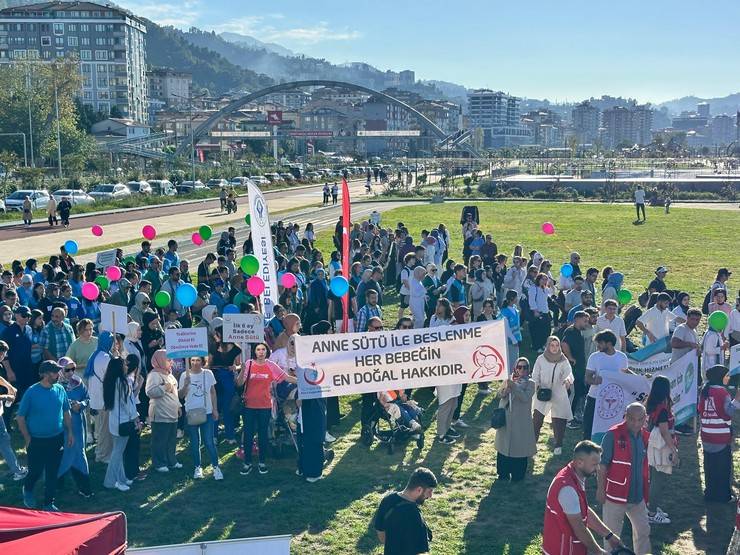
(164, 410)
(418, 297)
(552, 371)
(74, 459)
(292, 325)
(515, 442)
(612, 287)
(141, 306)
(317, 307)
(97, 366)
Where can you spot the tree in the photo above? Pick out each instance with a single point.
(8, 165)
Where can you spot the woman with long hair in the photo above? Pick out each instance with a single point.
(662, 446)
(553, 372)
(442, 314)
(224, 360)
(257, 376)
(120, 404)
(540, 326)
(135, 378)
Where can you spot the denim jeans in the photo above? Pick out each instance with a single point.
(6, 450)
(115, 472)
(408, 413)
(256, 420)
(203, 432)
(225, 390)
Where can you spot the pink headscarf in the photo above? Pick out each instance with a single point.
(160, 362)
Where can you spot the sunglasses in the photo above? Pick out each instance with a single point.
(70, 369)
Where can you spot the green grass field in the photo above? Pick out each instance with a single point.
(468, 513)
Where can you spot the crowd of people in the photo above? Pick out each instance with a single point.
(70, 385)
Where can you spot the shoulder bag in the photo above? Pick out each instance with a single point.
(237, 401)
(544, 394)
(498, 418)
(198, 416)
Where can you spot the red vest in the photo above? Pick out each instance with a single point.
(619, 473)
(557, 535)
(715, 422)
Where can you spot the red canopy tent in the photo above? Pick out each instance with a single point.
(26, 532)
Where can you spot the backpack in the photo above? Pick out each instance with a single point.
(705, 304)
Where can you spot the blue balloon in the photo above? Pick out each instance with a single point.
(186, 294)
(566, 270)
(339, 286)
(231, 309)
(71, 247)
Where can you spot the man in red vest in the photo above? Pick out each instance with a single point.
(568, 518)
(623, 482)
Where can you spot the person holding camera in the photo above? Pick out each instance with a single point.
(553, 376)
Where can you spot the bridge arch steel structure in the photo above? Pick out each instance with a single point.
(237, 104)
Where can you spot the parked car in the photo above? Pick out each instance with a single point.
(187, 187)
(260, 179)
(140, 187)
(217, 183)
(75, 196)
(297, 172)
(313, 175)
(39, 199)
(274, 177)
(162, 187)
(287, 177)
(110, 191)
(240, 182)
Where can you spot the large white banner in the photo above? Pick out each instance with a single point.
(262, 242)
(619, 390)
(331, 365)
(735, 360)
(612, 397)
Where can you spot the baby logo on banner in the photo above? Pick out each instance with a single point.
(186, 342)
(331, 365)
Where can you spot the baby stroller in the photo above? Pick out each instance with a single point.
(387, 425)
(284, 423)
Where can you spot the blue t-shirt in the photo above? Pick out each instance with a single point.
(512, 315)
(44, 410)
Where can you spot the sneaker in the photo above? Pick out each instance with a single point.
(29, 501)
(246, 469)
(328, 438)
(446, 440)
(163, 469)
(262, 468)
(121, 487)
(573, 425)
(141, 476)
(557, 451)
(415, 426)
(658, 518)
(298, 473)
(129, 482)
(453, 433)
(180, 434)
(328, 456)
(217, 474)
(177, 465)
(313, 480)
(198, 474)
(661, 511)
(18, 476)
(51, 508)
(460, 423)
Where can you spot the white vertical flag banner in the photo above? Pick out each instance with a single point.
(262, 242)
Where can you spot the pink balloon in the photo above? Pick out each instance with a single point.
(113, 273)
(96, 230)
(149, 232)
(288, 280)
(196, 238)
(90, 291)
(548, 228)
(255, 286)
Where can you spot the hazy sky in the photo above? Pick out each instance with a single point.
(652, 50)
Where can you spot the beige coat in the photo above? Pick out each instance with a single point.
(516, 439)
(164, 406)
(542, 374)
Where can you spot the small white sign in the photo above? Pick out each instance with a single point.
(186, 342)
(244, 328)
(113, 318)
(105, 258)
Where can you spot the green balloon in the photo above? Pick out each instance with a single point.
(718, 320)
(205, 232)
(248, 219)
(102, 282)
(624, 296)
(162, 299)
(249, 265)
(128, 259)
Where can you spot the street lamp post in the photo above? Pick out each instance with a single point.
(59, 136)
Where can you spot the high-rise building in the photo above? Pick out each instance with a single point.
(107, 40)
(703, 109)
(723, 130)
(169, 86)
(586, 120)
(497, 114)
(627, 125)
(546, 127)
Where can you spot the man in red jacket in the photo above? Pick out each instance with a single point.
(623, 482)
(568, 518)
